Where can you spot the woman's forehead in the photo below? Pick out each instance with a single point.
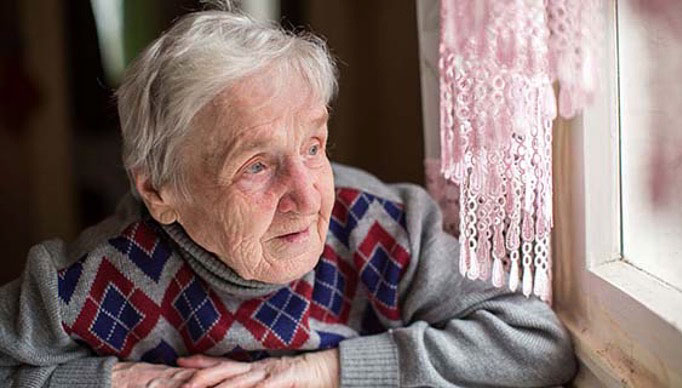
(266, 96)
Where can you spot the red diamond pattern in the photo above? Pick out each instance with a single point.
(108, 275)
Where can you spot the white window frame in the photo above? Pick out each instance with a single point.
(626, 324)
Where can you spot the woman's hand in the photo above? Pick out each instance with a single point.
(142, 374)
(310, 370)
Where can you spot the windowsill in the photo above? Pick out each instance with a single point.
(617, 339)
(661, 299)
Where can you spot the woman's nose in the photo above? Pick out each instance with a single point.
(300, 195)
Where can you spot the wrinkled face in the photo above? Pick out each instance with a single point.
(260, 182)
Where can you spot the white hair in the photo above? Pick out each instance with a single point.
(201, 55)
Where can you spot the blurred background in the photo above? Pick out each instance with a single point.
(60, 62)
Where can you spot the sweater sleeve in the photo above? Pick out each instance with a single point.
(457, 332)
(35, 351)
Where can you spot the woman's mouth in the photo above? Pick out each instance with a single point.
(296, 236)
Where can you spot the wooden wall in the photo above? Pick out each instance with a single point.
(376, 120)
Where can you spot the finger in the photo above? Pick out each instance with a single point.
(283, 379)
(182, 374)
(198, 361)
(213, 375)
(244, 380)
(173, 378)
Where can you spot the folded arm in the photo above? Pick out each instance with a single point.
(35, 350)
(457, 332)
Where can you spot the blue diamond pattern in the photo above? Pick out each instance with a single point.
(322, 294)
(129, 316)
(196, 309)
(296, 306)
(391, 272)
(325, 272)
(282, 313)
(285, 327)
(337, 304)
(361, 205)
(113, 300)
(340, 281)
(67, 280)
(266, 315)
(115, 318)
(371, 278)
(280, 298)
(394, 211)
(340, 231)
(381, 276)
(387, 294)
(329, 286)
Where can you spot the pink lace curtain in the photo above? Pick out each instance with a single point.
(498, 62)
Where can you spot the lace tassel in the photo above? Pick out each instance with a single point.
(473, 265)
(514, 276)
(540, 284)
(463, 258)
(527, 281)
(497, 272)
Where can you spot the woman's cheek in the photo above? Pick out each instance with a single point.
(326, 182)
(252, 212)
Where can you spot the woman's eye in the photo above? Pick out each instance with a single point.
(314, 150)
(255, 168)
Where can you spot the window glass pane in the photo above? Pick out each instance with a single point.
(650, 65)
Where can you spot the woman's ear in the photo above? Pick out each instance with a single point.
(160, 203)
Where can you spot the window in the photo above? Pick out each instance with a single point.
(651, 134)
(617, 259)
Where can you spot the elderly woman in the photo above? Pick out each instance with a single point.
(245, 258)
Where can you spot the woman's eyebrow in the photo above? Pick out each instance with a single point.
(237, 148)
(241, 143)
(251, 145)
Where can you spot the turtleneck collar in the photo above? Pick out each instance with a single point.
(212, 270)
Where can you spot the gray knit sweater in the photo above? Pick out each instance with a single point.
(386, 292)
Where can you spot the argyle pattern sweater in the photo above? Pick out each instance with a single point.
(386, 292)
(138, 299)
